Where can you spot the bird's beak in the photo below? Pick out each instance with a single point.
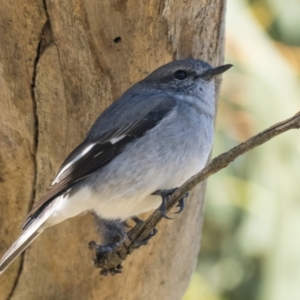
(213, 72)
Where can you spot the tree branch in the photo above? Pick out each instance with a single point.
(111, 262)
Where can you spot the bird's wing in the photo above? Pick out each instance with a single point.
(111, 132)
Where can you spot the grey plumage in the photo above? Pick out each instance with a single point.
(154, 137)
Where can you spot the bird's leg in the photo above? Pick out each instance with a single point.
(165, 195)
(138, 243)
(163, 208)
(101, 250)
(112, 234)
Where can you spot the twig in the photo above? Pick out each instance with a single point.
(111, 262)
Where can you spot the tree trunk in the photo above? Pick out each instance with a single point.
(61, 63)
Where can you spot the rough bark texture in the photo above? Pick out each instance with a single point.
(61, 63)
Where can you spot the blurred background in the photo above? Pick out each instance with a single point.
(251, 236)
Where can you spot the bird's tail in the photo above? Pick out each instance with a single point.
(24, 240)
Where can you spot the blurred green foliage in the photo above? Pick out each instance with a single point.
(250, 245)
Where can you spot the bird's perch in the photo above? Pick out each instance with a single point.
(112, 262)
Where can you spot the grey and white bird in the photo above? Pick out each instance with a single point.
(157, 135)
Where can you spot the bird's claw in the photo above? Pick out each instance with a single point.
(137, 220)
(112, 271)
(163, 208)
(181, 204)
(165, 195)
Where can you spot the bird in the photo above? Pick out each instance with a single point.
(148, 142)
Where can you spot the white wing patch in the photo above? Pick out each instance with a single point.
(79, 156)
(69, 165)
(116, 139)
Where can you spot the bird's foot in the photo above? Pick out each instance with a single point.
(109, 257)
(101, 250)
(137, 220)
(112, 271)
(135, 244)
(102, 254)
(165, 194)
(181, 204)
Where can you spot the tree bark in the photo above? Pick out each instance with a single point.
(61, 63)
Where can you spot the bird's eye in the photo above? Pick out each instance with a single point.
(180, 75)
